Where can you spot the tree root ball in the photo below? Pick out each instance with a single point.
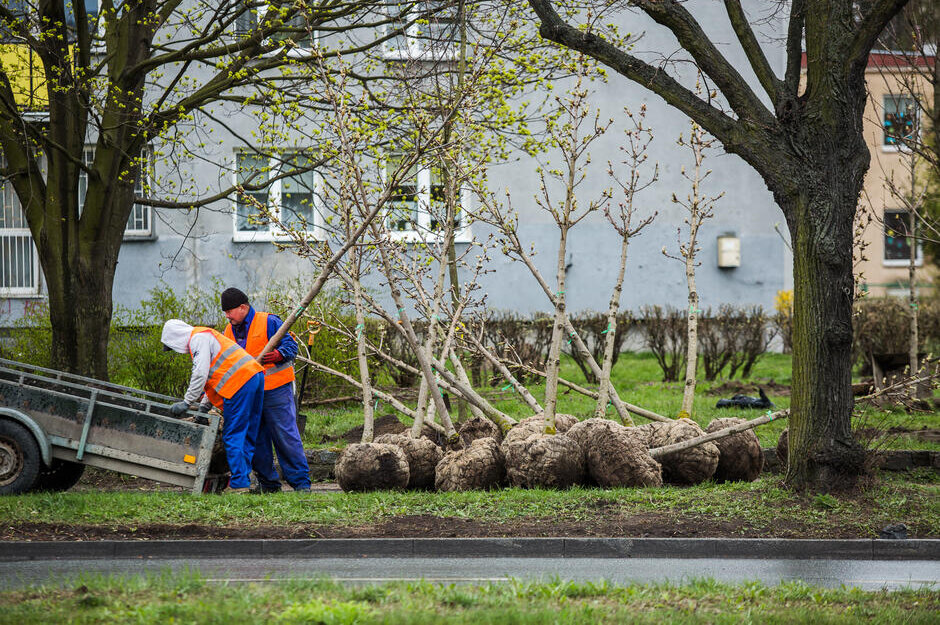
(740, 457)
(480, 466)
(372, 466)
(422, 455)
(783, 447)
(543, 461)
(563, 422)
(613, 457)
(478, 427)
(690, 466)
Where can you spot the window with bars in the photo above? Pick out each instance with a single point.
(421, 30)
(282, 186)
(19, 263)
(139, 221)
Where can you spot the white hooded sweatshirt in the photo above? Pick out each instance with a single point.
(204, 347)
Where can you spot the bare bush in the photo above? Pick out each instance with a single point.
(666, 337)
(735, 338)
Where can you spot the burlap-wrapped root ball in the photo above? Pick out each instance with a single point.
(478, 427)
(479, 466)
(563, 422)
(542, 460)
(783, 447)
(422, 455)
(372, 466)
(690, 466)
(740, 457)
(613, 457)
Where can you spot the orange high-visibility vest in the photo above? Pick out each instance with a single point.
(230, 369)
(275, 374)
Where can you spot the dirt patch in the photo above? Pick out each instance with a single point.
(638, 525)
(737, 387)
(386, 424)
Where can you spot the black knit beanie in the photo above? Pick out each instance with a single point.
(232, 297)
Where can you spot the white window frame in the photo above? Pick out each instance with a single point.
(33, 290)
(416, 46)
(273, 231)
(301, 48)
(899, 144)
(423, 232)
(88, 157)
(898, 262)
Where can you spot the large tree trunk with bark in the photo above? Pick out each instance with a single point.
(80, 311)
(823, 452)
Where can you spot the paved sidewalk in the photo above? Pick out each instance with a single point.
(686, 548)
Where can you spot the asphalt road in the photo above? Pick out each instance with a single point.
(864, 574)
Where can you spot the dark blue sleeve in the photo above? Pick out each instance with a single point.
(287, 346)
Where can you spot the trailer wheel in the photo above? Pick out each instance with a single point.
(62, 475)
(20, 458)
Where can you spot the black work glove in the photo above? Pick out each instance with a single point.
(179, 408)
(204, 408)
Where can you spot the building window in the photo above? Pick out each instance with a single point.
(900, 119)
(897, 242)
(421, 30)
(19, 263)
(418, 204)
(139, 221)
(296, 28)
(282, 186)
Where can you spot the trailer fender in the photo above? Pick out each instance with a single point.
(45, 447)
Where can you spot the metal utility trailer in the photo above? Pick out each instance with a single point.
(53, 423)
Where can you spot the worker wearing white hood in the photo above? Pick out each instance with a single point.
(231, 380)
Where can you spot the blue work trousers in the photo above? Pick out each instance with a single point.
(242, 416)
(279, 427)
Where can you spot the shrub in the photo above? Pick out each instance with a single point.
(135, 354)
(667, 338)
(592, 327)
(735, 338)
(882, 325)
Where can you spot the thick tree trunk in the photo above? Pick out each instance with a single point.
(80, 312)
(823, 453)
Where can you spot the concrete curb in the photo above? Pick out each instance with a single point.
(750, 548)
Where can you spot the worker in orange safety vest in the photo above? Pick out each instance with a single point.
(226, 376)
(251, 329)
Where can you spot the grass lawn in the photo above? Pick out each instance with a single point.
(188, 599)
(638, 380)
(762, 508)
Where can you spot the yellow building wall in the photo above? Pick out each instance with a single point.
(878, 276)
(25, 73)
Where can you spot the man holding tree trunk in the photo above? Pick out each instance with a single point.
(251, 330)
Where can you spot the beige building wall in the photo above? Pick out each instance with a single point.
(881, 275)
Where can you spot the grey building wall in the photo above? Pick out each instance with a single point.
(195, 248)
